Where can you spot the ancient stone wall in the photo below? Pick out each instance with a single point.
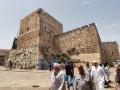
(50, 24)
(4, 53)
(29, 31)
(37, 31)
(49, 27)
(110, 51)
(84, 40)
(24, 58)
(87, 57)
(43, 32)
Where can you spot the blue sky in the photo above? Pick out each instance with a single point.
(71, 13)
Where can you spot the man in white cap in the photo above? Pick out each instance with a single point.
(99, 76)
(58, 78)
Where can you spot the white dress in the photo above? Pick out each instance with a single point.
(99, 75)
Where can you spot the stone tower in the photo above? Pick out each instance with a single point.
(38, 28)
(36, 36)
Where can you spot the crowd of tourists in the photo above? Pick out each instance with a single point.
(94, 76)
(89, 77)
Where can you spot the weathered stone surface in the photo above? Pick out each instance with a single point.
(23, 58)
(38, 28)
(110, 51)
(40, 33)
(4, 53)
(84, 40)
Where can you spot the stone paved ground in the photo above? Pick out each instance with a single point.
(25, 79)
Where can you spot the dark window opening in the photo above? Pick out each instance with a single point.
(27, 29)
(45, 27)
(112, 53)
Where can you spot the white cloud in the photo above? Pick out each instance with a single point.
(110, 29)
(114, 26)
(87, 2)
(110, 32)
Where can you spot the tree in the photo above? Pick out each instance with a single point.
(62, 57)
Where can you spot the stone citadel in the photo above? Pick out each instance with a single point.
(40, 32)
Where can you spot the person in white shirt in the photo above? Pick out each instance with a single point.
(99, 76)
(82, 80)
(58, 78)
